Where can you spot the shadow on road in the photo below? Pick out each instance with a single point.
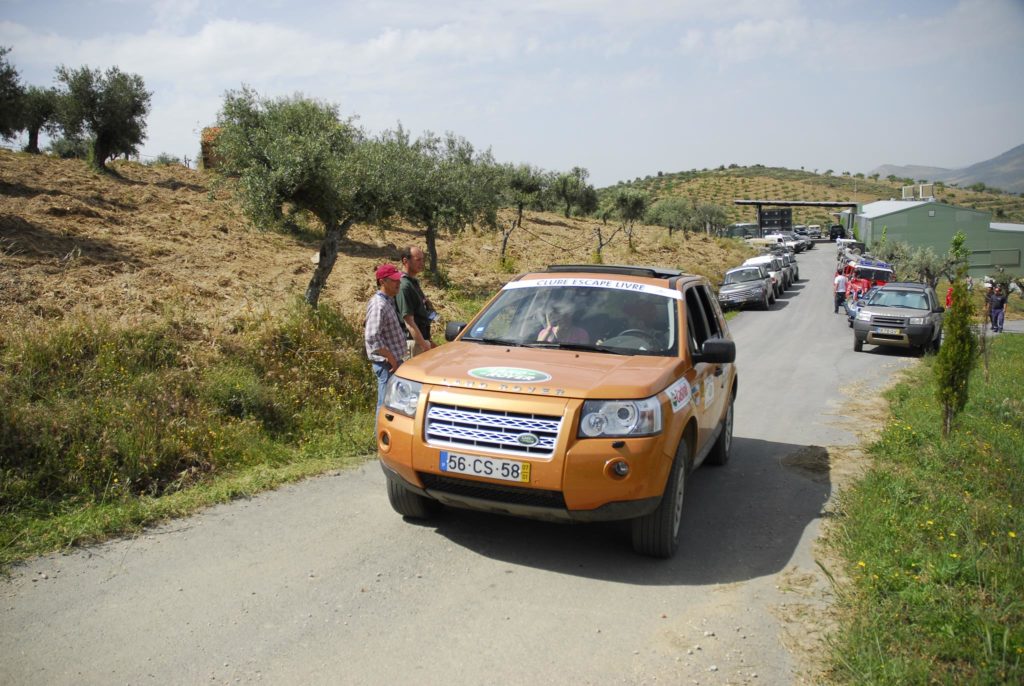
(740, 522)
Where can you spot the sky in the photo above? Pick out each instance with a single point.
(622, 89)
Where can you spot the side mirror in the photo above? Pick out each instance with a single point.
(717, 350)
(452, 330)
(939, 309)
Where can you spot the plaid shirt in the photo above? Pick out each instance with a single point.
(383, 328)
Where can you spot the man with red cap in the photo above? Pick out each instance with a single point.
(384, 334)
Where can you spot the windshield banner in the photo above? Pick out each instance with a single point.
(595, 283)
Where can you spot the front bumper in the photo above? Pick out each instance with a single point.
(498, 499)
(741, 298)
(907, 336)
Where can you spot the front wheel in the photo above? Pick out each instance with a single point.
(657, 534)
(409, 504)
(858, 344)
(719, 454)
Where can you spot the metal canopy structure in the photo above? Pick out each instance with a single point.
(800, 203)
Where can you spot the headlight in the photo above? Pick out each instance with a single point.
(916, 321)
(863, 316)
(620, 418)
(402, 396)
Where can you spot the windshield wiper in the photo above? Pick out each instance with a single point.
(495, 341)
(587, 347)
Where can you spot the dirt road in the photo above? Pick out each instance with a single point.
(321, 582)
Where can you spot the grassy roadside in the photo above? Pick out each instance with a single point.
(105, 428)
(933, 538)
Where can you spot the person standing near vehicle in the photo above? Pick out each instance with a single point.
(413, 305)
(384, 335)
(839, 291)
(997, 308)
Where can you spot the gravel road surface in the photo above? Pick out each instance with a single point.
(322, 583)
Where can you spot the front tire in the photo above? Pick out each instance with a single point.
(719, 454)
(409, 504)
(657, 534)
(858, 345)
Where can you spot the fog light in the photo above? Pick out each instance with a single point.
(620, 468)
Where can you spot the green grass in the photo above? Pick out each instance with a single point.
(933, 538)
(104, 429)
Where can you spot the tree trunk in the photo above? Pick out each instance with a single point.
(333, 233)
(33, 141)
(504, 239)
(431, 236)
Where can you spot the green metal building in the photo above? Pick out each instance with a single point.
(994, 247)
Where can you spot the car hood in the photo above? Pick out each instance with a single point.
(730, 287)
(543, 371)
(905, 312)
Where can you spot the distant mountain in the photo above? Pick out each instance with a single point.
(1005, 172)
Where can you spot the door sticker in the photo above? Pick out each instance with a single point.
(709, 391)
(679, 394)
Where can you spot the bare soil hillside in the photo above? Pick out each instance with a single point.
(147, 241)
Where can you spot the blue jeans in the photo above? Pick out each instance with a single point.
(997, 319)
(382, 370)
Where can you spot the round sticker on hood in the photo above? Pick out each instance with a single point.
(513, 374)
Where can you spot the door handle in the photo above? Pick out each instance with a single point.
(718, 370)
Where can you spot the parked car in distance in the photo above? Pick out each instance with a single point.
(900, 314)
(814, 230)
(775, 269)
(789, 262)
(836, 231)
(743, 286)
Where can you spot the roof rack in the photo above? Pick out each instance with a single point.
(622, 269)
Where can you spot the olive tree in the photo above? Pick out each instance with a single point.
(523, 186)
(630, 205)
(710, 216)
(570, 189)
(38, 113)
(110, 106)
(674, 212)
(446, 185)
(298, 151)
(11, 93)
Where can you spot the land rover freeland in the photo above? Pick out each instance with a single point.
(599, 416)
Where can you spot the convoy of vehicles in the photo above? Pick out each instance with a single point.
(604, 420)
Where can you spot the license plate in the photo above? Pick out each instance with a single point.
(490, 467)
(891, 332)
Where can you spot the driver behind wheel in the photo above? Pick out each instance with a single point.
(559, 327)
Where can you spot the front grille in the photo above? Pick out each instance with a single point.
(895, 322)
(744, 294)
(494, 492)
(510, 433)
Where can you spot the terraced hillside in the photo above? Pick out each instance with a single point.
(723, 186)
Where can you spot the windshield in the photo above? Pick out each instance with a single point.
(873, 274)
(624, 318)
(910, 299)
(743, 275)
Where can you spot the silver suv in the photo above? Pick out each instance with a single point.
(903, 315)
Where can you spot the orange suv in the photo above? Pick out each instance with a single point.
(581, 393)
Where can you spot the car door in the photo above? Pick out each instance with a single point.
(709, 378)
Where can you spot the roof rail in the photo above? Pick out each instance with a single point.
(623, 269)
